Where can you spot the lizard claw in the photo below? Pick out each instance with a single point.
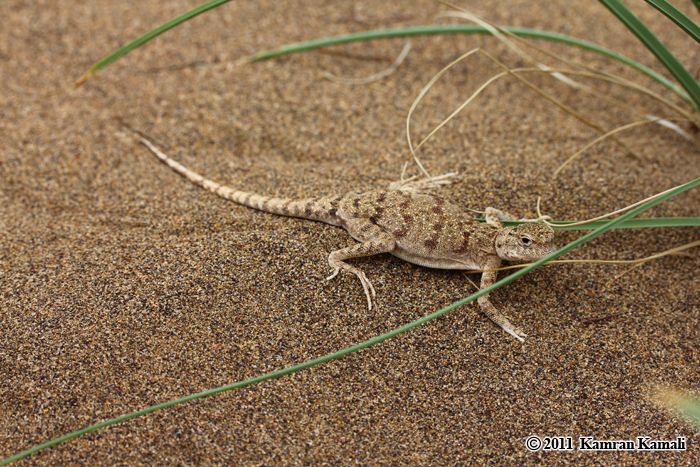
(335, 273)
(514, 331)
(366, 284)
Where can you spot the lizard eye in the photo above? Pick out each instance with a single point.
(525, 240)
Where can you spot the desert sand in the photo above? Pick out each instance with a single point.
(123, 286)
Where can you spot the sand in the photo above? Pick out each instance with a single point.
(123, 286)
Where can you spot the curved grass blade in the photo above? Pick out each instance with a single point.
(656, 47)
(462, 29)
(148, 36)
(675, 15)
(367, 343)
(654, 222)
(387, 34)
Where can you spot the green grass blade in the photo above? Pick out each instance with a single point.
(463, 29)
(391, 33)
(656, 47)
(654, 222)
(690, 409)
(697, 5)
(370, 342)
(150, 35)
(675, 15)
(681, 403)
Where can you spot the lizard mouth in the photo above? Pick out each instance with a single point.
(547, 251)
(530, 256)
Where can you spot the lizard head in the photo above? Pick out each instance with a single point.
(525, 242)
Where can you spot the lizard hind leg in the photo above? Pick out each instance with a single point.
(381, 242)
(366, 284)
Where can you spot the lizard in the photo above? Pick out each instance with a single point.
(422, 229)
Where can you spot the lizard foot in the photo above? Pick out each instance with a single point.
(513, 330)
(366, 284)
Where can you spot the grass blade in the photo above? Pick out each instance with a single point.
(148, 36)
(690, 409)
(681, 403)
(654, 222)
(367, 343)
(675, 15)
(461, 29)
(656, 47)
(391, 33)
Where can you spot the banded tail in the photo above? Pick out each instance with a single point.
(318, 209)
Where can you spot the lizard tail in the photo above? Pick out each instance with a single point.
(310, 208)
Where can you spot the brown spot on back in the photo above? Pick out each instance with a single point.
(382, 197)
(435, 210)
(431, 243)
(464, 247)
(408, 219)
(438, 227)
(399, 234)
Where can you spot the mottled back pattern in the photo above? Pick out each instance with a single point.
(427, 230)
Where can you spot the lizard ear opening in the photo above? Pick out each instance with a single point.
(505, 241)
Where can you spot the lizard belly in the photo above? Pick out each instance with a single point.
(438, 263)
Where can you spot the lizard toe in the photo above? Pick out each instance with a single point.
(367, 286)
(514, 331)
(335, 273)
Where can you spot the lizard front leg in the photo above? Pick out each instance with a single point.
(495, 217)
(412, 185)
(374, 241)
(489, 278)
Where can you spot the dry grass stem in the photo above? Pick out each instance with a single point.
(503, 33)
(638, 262)
(376, 77)
(619, 211)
